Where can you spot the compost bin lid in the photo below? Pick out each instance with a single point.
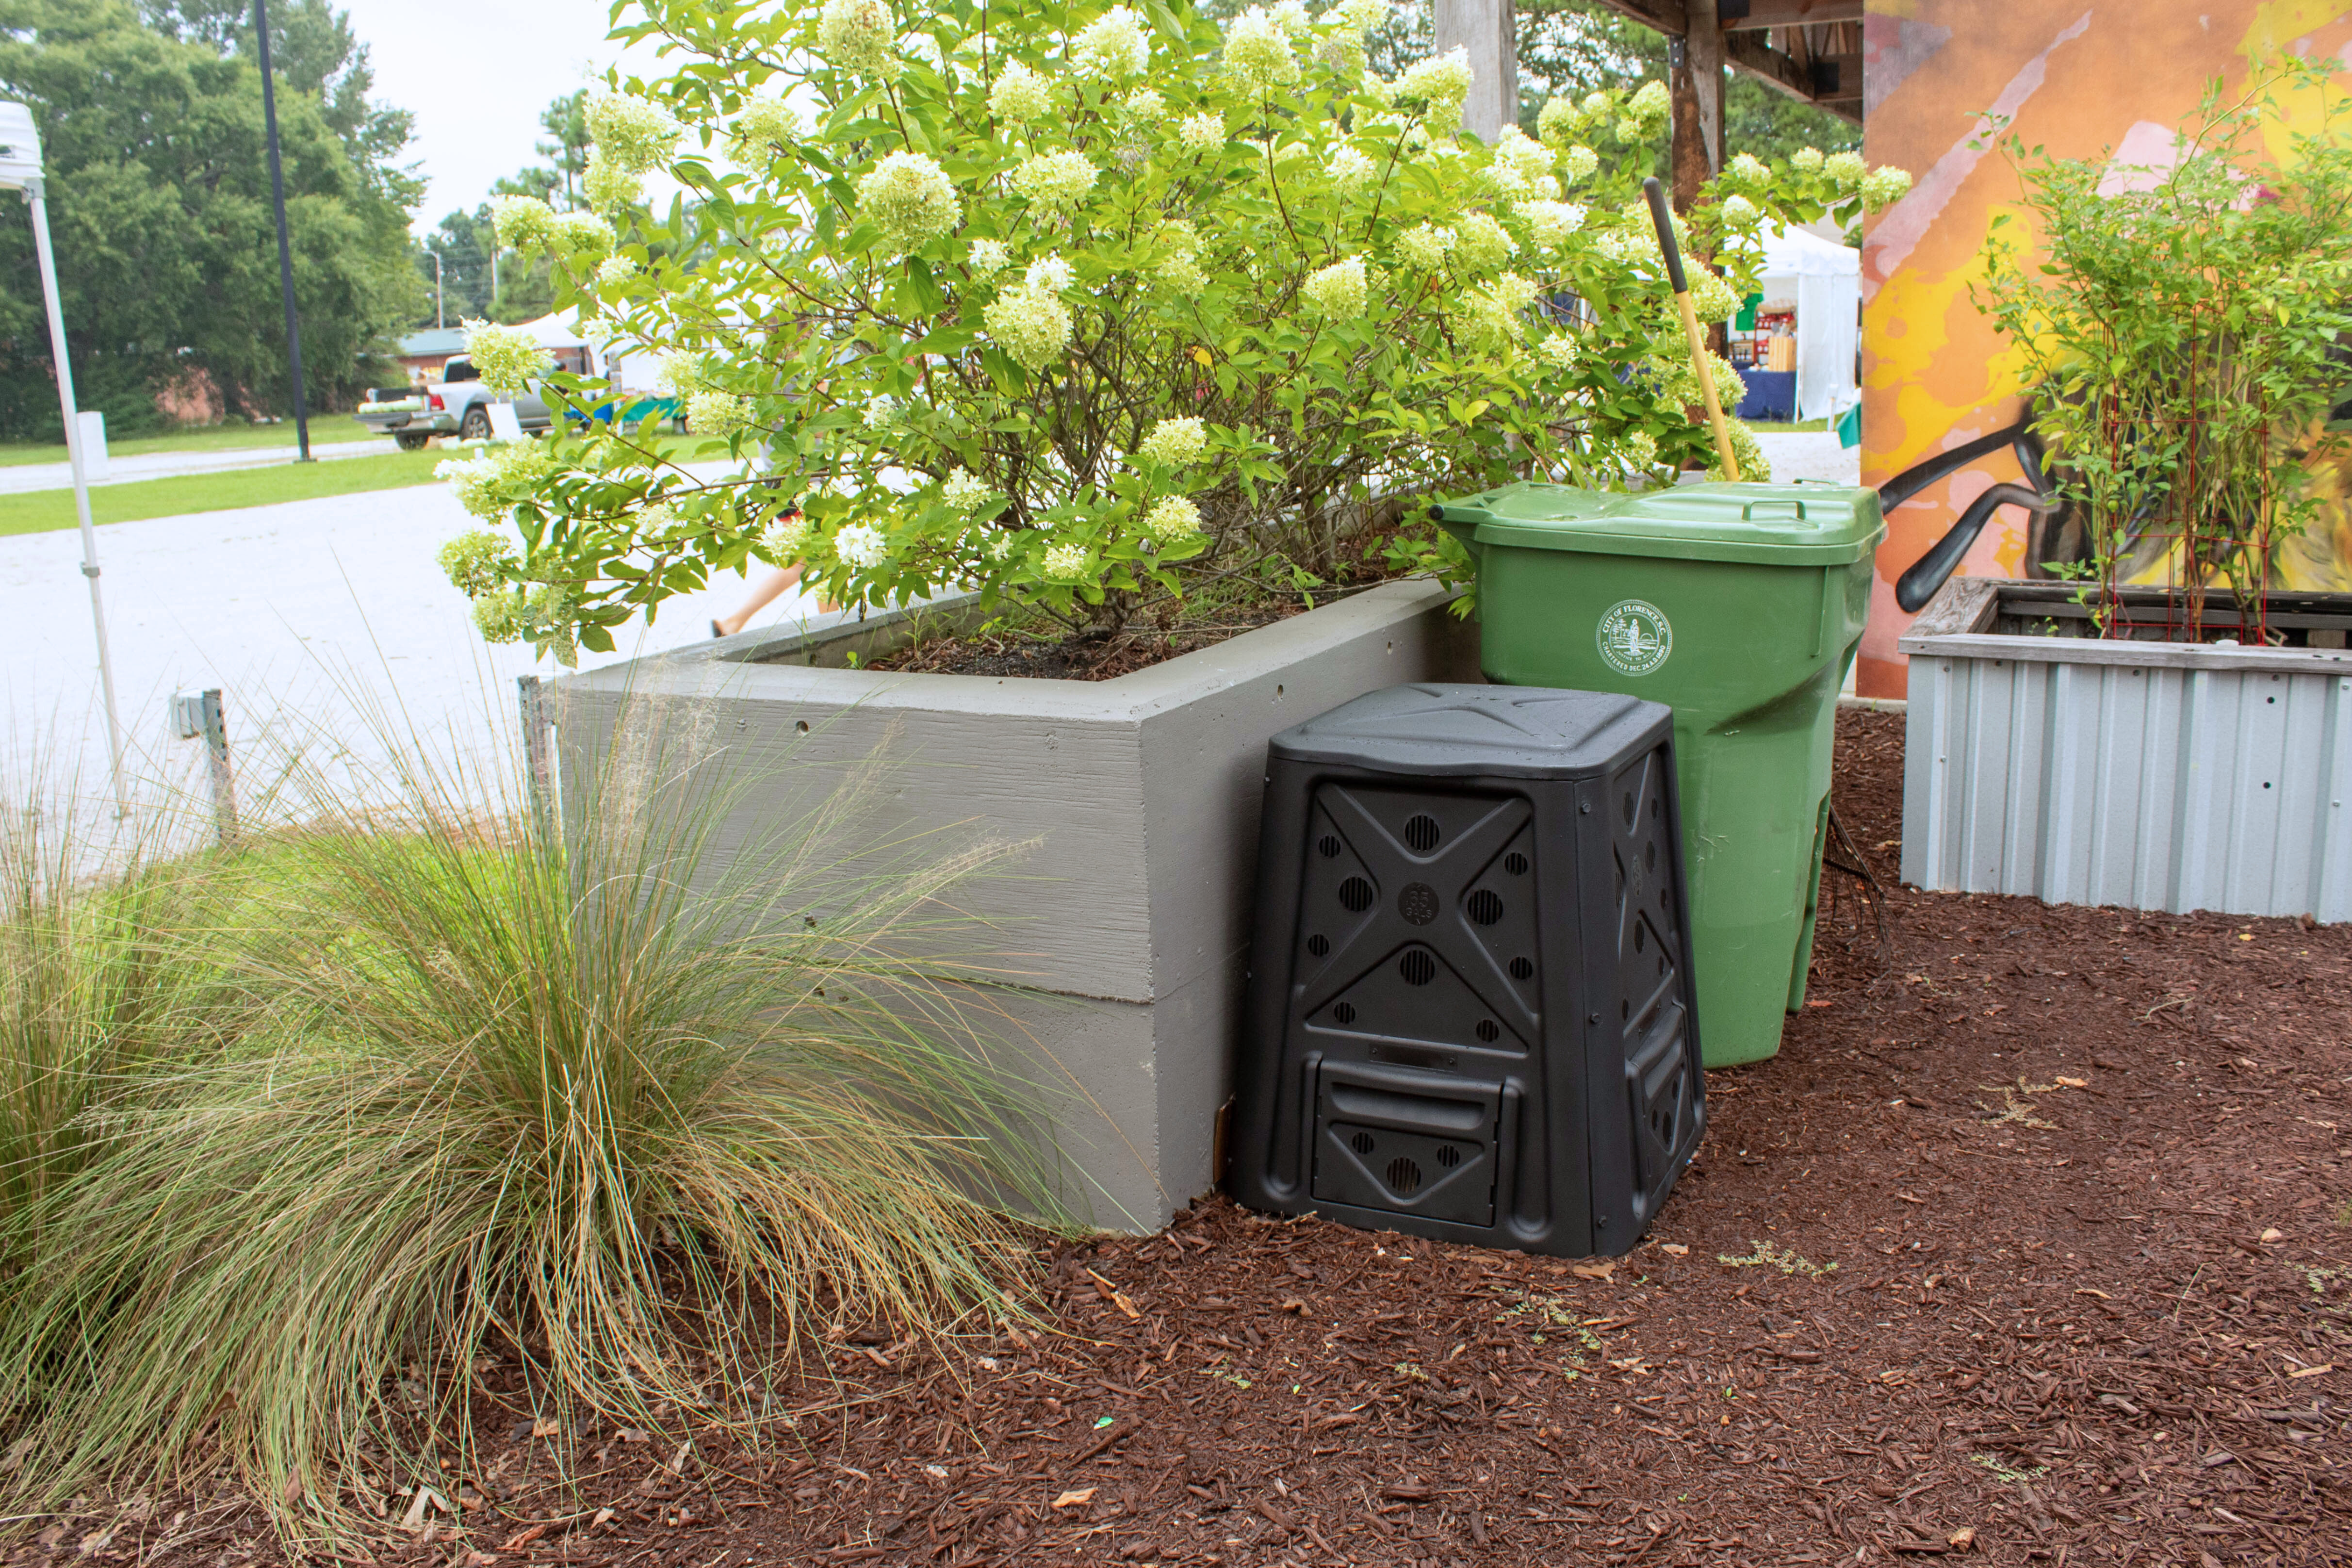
(1776, 525)
(1510, 731)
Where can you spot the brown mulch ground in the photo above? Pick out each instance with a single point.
(2030, 1246)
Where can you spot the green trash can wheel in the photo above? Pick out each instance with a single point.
(1740, 607)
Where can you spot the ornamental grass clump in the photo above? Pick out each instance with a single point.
(1048, 231)
(604, 1112)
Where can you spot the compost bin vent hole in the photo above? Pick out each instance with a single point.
(1489, 1031)
(1417, 967)
(1485, 906)
(1357, 894)
(1361, 1143)
(1328, 846)
(1448, 1155)
(1421, 834)
(1640, 939)
(1345, 1012)
(1515, 863)
(1650, 854)
(1318, 944)
(1628, 808)
(1522, 969)
(1403, 1177)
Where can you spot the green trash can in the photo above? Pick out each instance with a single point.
(1740, 607)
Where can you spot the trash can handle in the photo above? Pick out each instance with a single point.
(1747, 509)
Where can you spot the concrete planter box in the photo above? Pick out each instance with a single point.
(1143, 792)
(2155, 775)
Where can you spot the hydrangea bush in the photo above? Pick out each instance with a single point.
(1093, 309)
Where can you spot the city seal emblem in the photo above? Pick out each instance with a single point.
(1634, 637)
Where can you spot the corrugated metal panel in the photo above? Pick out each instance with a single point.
(2154, 785)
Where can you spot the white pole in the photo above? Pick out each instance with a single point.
(80, 482)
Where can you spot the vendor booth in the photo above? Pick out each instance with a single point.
(1795, 342)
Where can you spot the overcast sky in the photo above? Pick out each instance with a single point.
(475, 73)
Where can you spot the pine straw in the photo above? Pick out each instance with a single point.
(618, 1109)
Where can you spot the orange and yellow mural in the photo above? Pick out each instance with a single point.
(2077, 77)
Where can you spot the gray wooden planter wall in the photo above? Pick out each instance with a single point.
(2150, 775)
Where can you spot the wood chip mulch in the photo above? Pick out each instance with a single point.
(2030, 1246)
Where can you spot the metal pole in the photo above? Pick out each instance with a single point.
(81, 483)
(491, 309)
(439, 319)
(215, 730)
(285, 252)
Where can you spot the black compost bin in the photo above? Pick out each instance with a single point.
(1471, 1012)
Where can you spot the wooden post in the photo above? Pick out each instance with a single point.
(1695, 77)
(1488, 30)
(539, 757)
(213, 726)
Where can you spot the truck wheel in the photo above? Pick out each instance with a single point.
(475, 425)
(411, 441)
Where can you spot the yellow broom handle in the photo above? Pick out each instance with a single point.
(1681, 286)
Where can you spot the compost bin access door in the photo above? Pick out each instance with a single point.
(1414, 1142)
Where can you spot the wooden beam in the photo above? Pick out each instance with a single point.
(1749, 53)
(1487, 30)
(1659, 16)
(1751, 16)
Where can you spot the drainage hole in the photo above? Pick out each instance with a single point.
(1421, 834)
(1489, 1031)
(1417, 967)
(1343, 1012)
(1515, 863)
(1650, 854)
(1403, 1176)
(1318, 944)
(1641, 938)
(1625, 1010)
(1448, 1155)
(1361, 1143)
(1522, 969)
(1356, 894)
(1485, 906)
(1328, 846)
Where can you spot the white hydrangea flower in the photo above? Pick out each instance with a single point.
(1181, 273)
(1641, 449)
(1425, 246)
(1550, 223)
(678, 377)
(636, 133)
(1202, 133)
(522, 223)
(1050, 275)
(964, 493)
(717, 415)
(1340, 290)
(615, 270)
(582, 233)
(1746, 169)
(1738, 211)
(1359, 15)
(1067, 563)
(1558, 120)
(861, 545)
(1291, 17)
(789, 536)
(475, 481)
(859, 37)
(1113, 45)
(1481, 243)
(909, 198)
(1646, 112)
(1030, 324)
(1000, 547)
(1173, 443)
(989, 258)
(1144, 103)
(1520, 167)
(1753, 466)
(1020, 95)
(881, 413)
(608, 186)
(1561, 349)
(1578, 162)
(477, 559)
(1807, 158)
(1349, 169)
(1171, 517)
(1439, 84)
(1495, 309)
(1846, 168)
(1712, 299)
(1054, 179)
(766, 127)
(1597, 104)
(1258, 53)
(1883, 187)
(509, 358)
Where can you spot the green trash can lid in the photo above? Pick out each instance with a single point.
(1776, 525)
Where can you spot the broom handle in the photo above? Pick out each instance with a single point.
(1681, 286)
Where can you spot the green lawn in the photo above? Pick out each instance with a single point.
(324, 428)
(45, 510)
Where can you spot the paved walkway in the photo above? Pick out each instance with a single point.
(25, 478)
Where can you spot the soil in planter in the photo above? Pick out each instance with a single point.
(2030, 1246)
(1031, 646)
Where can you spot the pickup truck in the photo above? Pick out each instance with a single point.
(458, 404)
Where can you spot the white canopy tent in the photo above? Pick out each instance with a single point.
(1825, 278)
